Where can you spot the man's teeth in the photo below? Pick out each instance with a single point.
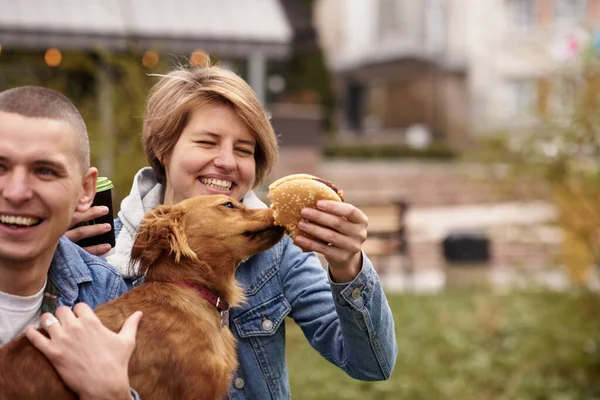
(14, 220)
(216, 183)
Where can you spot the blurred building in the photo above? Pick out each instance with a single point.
(517, 50)
(454, 66)
(452, 69)
(398, 65)
(232, 29)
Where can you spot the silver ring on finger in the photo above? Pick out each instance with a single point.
(50, 321)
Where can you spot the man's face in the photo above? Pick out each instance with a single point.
(41, 185)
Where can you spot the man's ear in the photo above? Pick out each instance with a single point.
(89, 190)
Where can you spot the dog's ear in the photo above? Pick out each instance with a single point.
(178, 243)
(163, 229)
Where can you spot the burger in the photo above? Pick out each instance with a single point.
(290, 194)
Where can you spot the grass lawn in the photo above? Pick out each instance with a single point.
(472, 345)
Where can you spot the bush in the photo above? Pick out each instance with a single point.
(561, 150)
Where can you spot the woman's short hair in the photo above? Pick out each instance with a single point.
(177, 93)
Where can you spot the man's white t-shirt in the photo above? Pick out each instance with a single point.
(17, 312)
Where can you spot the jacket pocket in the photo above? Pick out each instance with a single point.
(261, 344)
(264, 319)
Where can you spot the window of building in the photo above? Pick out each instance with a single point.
(522, 99)
(522, 13)
(354, 105)
(570, 11)
(389, 19)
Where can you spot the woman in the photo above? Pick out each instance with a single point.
(205, 132)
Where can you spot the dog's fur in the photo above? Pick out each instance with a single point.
(182, 351)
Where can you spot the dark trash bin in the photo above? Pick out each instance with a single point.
(466, 247)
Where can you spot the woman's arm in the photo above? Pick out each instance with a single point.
(350, 324)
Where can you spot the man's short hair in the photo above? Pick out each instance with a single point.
(40, 102)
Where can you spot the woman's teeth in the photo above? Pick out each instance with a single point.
(14, 220)
(216, 183)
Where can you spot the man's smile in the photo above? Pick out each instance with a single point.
(19, 220)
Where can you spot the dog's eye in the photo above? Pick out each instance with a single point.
(229, 205)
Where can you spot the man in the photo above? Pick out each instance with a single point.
(45, 176)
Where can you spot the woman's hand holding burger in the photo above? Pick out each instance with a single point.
(314, 215)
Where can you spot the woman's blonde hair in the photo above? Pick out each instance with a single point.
(177, 93)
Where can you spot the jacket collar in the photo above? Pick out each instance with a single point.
(68, 270)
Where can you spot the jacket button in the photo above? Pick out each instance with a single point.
(239, 383)
(267, 324)
(356, 293)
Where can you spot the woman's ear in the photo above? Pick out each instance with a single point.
(89, 190)
(164, 160)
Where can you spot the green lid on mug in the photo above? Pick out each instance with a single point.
(103, 183)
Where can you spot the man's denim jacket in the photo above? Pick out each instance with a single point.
(350, 324)
(77, 276)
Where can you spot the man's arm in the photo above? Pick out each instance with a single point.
(91, 359)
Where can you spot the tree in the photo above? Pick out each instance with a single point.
(561, 152)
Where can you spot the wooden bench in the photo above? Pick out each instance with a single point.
(387, 242)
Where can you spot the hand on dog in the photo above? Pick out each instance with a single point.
(91, 359)
(342, 229)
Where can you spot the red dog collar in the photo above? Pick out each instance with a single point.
(221, 304)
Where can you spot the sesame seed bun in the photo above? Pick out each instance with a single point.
(290, 194)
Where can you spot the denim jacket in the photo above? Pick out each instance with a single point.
(77, 276)
(350, 324)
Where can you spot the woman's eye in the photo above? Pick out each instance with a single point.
(229, 205)
(246, 151)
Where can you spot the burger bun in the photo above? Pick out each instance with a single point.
(290, 194)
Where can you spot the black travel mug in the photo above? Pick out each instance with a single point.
(103, 198)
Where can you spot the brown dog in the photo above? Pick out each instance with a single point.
(183, 351)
